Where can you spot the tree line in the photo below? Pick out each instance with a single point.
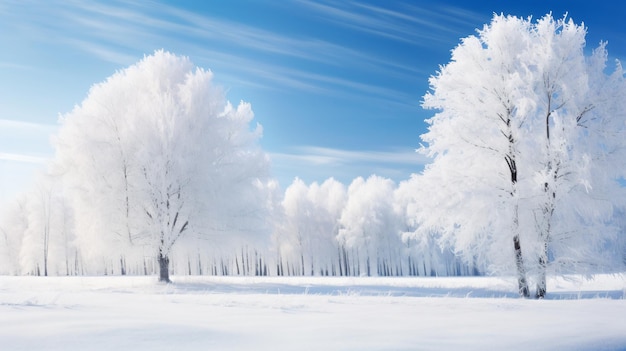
(156, 172)
(324, 229)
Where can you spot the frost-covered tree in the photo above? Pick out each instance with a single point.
(42, 224)
(472, 184)
(292, 235)
(424, 255)
(306, 235)
(13, 224)
(330, 199)
(156, 154)
(575, 102)
(35, 250)
(516, 136)
(369, 227)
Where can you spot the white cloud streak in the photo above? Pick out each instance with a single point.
(417, 25)
(316, 155)
(104, 52)
(23, 158)
(25, 142)
(314, 163)
(12, 126)
(114, 31)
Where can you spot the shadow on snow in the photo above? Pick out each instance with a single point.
(378, 289)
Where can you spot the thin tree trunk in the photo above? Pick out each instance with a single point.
(519, 258)
(237, 265)
(341, 266)
(543, 266)
(164, 269)
(521, 271)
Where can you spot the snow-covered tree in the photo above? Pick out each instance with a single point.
(424, 255)
(306, 235)
(330, 198)
(369, 227)
(575, 103)
(517, 134)
(472, 184)
(13, 224)
(41, 223)
(156, 154)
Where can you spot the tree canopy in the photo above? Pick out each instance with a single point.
(525, 125)
(156, 171)
(156, 153)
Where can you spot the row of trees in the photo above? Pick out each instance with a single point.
(327, 229)
(371, 227)
(157, 171)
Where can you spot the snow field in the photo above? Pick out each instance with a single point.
(241, 313)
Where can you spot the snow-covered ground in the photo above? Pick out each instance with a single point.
(244, 313)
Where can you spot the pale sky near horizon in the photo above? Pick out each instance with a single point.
(336, 85)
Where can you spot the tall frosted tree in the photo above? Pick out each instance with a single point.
(156, 154)
(516, 135)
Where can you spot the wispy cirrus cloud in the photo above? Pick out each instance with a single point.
(4, 156)
(119, 23)
(12, 126)
(115, 32)
(315, 163)
(418, 25)
(341, 156)
(104, 52)
(24, 141)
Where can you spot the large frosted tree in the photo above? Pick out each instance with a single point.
(156, 154)
(515, 141)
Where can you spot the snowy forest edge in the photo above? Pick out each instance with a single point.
(157, 169)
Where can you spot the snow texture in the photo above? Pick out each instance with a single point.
(239, 313)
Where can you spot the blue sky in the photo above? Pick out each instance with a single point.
(336, 85)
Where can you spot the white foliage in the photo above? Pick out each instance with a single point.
(13, 225)
(523, 90)
(156, 154)
(369, 223)
(527, 142)
(307, 234)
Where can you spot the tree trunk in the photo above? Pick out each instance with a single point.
(122, 265)
(543, 266)
(521, 271)
(519, 259)
(545, 234)
(164, 269)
